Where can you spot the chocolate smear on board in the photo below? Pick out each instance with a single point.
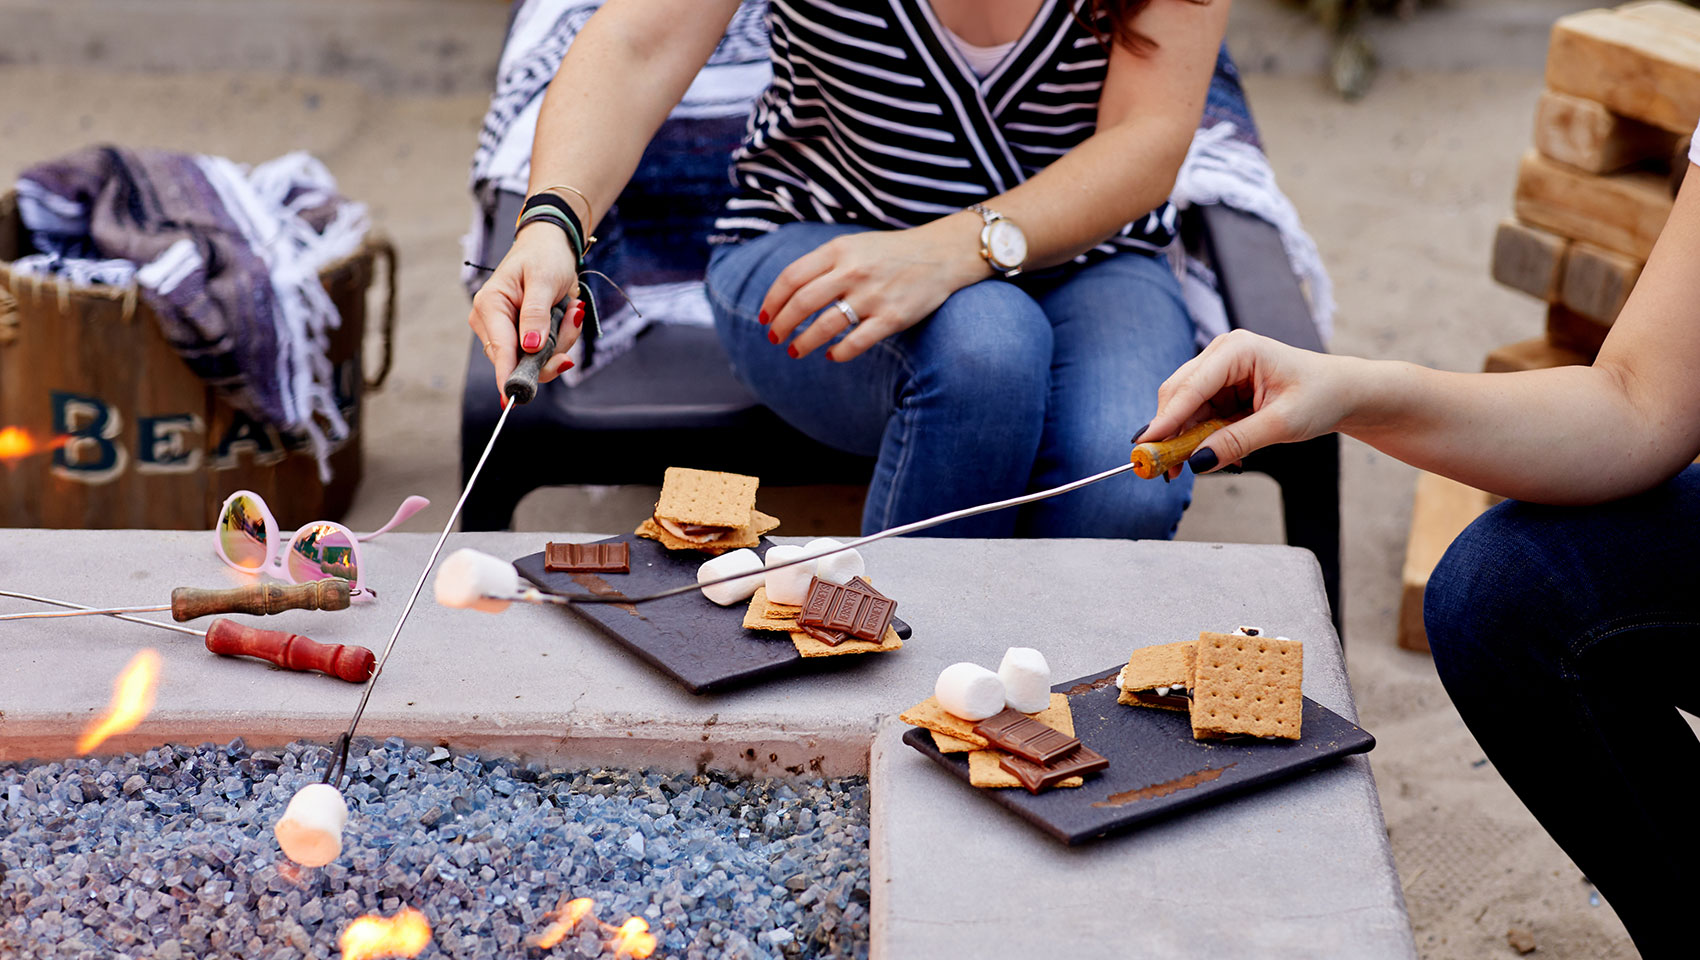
(1162, 789)
(602, 588)
(1097, 684)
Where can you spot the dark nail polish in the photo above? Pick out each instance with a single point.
(773, 336)
(532, 341)
(1139, 431)
(1203, 461)
(792, 350)
(763, 317)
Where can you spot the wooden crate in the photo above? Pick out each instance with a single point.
(133, 438)
(1440, 512)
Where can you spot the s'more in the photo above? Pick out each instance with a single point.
(707, 511)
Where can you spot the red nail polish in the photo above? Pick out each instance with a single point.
(578, 316)
(762, 317)
(773, 336)
(792, 350)
(532, 341)
(567, 366)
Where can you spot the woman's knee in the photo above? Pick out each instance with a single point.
(988, 349)
(1493, 590)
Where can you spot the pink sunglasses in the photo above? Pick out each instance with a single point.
(248, 541)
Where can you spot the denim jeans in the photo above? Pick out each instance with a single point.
(1569, 638)
(1008, 387)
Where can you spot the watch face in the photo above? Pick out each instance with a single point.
(1006, 244)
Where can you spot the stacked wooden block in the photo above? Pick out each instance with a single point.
(1611, 144)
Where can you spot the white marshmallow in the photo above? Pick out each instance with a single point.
(841, 567)
(1026, 679)
(789, 586)
(969, 691)
(468, 579)
(310, 830)
(725, 565)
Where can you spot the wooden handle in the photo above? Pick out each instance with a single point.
(261, 599)
(291, 652)
(1151, 460)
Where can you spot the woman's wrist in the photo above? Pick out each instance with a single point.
(1372, 393)
(958, 236)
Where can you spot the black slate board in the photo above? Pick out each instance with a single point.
(702, 645)
(1154, 749)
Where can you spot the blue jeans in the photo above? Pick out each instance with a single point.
(1008, 387)
(1569, 638)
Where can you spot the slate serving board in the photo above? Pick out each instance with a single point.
(700, 644)
(1156, 768)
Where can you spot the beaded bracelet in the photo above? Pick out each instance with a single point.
(567, 221)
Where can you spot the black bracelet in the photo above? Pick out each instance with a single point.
(551, 200)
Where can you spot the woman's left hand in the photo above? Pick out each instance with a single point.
(892, 279)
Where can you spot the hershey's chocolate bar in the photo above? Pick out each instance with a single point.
(1020, 734)
(831, 612)
(1037, 776)
(587, 558)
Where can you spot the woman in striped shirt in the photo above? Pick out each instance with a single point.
(944, 248)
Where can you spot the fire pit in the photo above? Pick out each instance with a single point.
(170, 854)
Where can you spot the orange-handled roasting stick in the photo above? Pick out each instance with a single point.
(260, 599)
(287, 650)
(1155, 458)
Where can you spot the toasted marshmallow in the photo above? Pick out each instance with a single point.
(1026, 679)
(310, 830)
(969, 691)
(841, 567)
(708, 536)
(790, 585)
(470, 580)
(725, 565)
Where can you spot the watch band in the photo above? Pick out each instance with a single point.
(990, 217)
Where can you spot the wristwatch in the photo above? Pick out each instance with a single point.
(1002, 243)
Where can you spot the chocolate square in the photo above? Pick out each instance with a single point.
(1016, 732)
(1037, 776)
(587, 558)
(834, 611)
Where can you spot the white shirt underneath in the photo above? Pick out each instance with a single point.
(981, 60)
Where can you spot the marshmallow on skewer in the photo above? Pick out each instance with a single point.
(841, 567)
(727, 564)
(468, 579)
(310, 830)
(969, 691)
(1026, 679)
(789, 586)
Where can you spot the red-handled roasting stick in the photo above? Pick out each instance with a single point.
(521, 387)
(229, 638)
(260, 600)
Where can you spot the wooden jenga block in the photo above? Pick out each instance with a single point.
(1569, 330)
(1596, 281)
(1585, 135)
(1441, 511)
(1643, 64)
(1536, 354)
(1620, 211)
(1529, 259)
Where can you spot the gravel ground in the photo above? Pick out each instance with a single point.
(170, 854)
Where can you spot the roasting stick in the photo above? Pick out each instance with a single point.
(229, 638)
(260, 599)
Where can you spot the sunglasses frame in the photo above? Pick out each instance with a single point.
(276, 562)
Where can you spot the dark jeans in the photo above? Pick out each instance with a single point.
(1569, 638)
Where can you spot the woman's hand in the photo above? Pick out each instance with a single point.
(893, 279)
(511, 311)
(1280, 394)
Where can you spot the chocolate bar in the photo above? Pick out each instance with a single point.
(833, 612)
(1037, 776)
(1016, 732)
(587, 558)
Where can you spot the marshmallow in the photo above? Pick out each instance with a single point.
(310, 830)
(969, 691)
(789, 586)
(725, 565)
(468, 579)
(1026, 679)
(841, 567)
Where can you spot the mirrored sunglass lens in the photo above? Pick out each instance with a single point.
(320, 552)
(242, 533)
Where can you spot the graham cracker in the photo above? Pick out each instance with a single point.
(764, 614)
(1247, 686)
(810, 647)
(983, 768)
(1164, 665)
(748, 535)
(949, 744)
(706, 497)
(929, 715)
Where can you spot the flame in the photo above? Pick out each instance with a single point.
(132, 698)
(402, 935)
(629, 941)
(567, 917)
(16, 443)
(633, 939)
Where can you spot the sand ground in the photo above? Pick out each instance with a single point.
(1401, 191)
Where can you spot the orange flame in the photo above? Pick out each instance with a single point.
(132, 698)
(402, 935)
(567, 918)
(629, 941)
(633, 939)
(16, 443)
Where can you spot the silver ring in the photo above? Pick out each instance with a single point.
(848, 311)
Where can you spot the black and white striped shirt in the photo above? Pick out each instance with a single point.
(873, 117)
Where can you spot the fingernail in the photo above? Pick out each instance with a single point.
(578, 316)
(568, 366)
(532, 341)
(792, 350)
(1139, 431)
(762, 316)
(1203, 461)
(773, 336)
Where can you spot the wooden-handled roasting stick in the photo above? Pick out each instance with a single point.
(260, 600)
(1155, 458)
(232, 639)
(521, 387)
